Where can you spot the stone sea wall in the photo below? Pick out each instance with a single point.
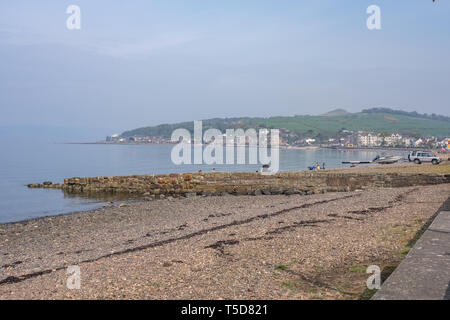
(241, 183)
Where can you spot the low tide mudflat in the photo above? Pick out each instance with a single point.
(230, 247)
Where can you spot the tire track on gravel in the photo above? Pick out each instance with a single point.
(17, 279)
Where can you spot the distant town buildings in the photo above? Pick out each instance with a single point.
(378, 140)
(345, 138)
(116, 138)
(397, 140)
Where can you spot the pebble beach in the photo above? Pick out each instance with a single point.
(231, 247)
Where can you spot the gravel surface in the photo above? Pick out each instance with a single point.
(401, 168)
(230, 247)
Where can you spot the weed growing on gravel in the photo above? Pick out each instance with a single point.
(281, 267)
(368, 294)
(357, 269)
(288, 285)
(319, 268)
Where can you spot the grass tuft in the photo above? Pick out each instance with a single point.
(358, 269)
(281, 267)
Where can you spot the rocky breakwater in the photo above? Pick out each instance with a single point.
(243, 183)
(45, 185)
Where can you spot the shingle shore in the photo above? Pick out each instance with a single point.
(236, 247)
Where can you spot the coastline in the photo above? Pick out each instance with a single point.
(101, 189)
(248, 183)
(312, 147)
(260, 247)
(381, 149)
(278, 246)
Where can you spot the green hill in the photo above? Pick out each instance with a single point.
(380, 120)
(335, 113)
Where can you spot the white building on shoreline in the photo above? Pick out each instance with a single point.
(370, 140)
(393, 140)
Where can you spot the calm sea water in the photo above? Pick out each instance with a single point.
(24, 161)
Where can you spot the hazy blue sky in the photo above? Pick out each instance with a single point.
(137, 63)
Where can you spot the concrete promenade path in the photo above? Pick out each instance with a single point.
(425, 272)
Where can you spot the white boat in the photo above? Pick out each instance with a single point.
(387, 159)
(378, 159)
